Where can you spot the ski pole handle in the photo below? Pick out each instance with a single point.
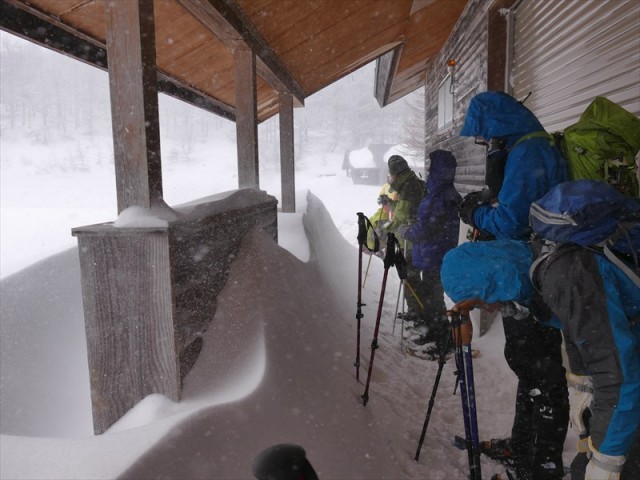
(362, 228)
(462, 329)
(466, 306)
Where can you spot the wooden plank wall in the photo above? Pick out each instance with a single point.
(128, 305)
(478, 43)
(149, 295)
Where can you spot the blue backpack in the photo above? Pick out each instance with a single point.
(593, 214)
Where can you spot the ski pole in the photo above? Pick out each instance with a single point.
(366, 273)
(390, 259)
(414, 294)
(404, 293)
(441, 361)
(395, 315)
(363, 224)
(362, 236)
(462, 332)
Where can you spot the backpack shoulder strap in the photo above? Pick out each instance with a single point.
(541, 134)
(543, 250)
(550, 250)
(613, 258)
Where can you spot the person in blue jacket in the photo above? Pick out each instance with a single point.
(533, 164)
(435, 233)
(522, 156)
(597, 307)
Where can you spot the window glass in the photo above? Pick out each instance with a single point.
(445, 103)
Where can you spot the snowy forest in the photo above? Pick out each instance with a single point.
(48, 98)
(55, 119)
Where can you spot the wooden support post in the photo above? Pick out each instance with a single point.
(287, 163)
(131, 55)
(246, 118)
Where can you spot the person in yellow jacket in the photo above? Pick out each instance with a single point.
(387, 199)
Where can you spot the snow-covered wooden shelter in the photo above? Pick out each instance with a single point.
(146, 286)
(147, 289)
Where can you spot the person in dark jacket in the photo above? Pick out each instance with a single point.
(594, 303)
(435, 233)
(410, 191)
(533, 351)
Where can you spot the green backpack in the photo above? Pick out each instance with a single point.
(602, 145)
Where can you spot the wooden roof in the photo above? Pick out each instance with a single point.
(301, 46)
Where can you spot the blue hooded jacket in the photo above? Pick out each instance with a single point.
(533, 165)
(496, 271)
(438, 224)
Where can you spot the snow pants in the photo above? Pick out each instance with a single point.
(533, 352)
(435, 309)
(414, 280)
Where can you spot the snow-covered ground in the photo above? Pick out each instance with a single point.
(277, 363)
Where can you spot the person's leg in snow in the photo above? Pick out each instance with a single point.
(541, 419)
(435, 325)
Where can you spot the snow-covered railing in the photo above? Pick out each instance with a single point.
(149, 284)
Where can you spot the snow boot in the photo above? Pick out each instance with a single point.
(499, 449)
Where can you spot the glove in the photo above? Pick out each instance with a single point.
(603, 467)
(402, 230)
(383, 200)
(514, 310)
(580, 401)
(468, 206)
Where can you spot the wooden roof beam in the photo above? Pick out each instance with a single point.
(386, 66)
(234, 28)
(33, 25)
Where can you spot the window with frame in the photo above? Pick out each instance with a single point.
(445, 103)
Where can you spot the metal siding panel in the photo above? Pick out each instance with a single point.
(568, 52)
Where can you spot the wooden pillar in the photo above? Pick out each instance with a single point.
(287, 162)
(246, 118)
(131, 54)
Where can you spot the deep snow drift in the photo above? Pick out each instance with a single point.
(276, 366)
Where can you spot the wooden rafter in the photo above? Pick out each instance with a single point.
(386, 66)
(229, 23)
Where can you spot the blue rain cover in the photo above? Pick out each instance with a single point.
(496, 271)
(585, 212)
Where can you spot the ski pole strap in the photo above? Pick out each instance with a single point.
(364, 225)
(391, 254)
(401, 267)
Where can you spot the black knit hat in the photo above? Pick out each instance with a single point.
(397, 164)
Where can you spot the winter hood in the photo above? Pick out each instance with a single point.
(442, 169)
(496, 114)
(496, 271)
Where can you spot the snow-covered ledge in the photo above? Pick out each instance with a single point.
(149, 285)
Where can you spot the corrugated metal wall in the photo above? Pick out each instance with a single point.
(568, 52)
